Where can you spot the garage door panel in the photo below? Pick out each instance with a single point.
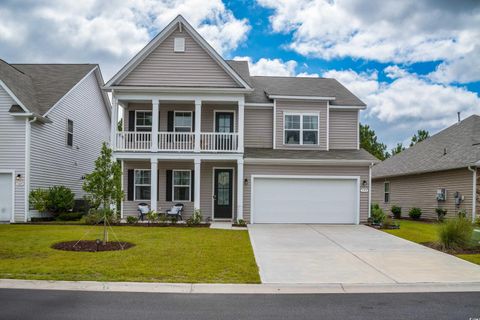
(301, 200)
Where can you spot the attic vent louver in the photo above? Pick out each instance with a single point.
(179, 45)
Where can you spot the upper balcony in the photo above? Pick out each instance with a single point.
(182, 125)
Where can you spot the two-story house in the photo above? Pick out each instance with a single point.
(53, 120)
(201, 131)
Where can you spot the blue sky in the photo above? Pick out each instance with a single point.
(415, 63)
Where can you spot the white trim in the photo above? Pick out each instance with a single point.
(262, 176)
(255, 105)
(301, 114)
(153, 185)
(122, 166)
(197, 185)
(12, 172)
(14, 97)
(273, 96)
(28, 130)
(474, 193)
(182, 186)
(370, 190)
(191, 120)
(176, 156)
(274, 124)
(181, 96)
(155, 42)
(163, 89)
(280, 161)
(233, 191)
(358, 130)
(142, 185)
(142, 126)
(328, 126)
(69, 91)
(336, 107)
(225, 111)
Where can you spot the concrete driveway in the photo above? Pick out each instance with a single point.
(350, 254)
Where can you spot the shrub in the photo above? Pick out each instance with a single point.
(378, 216)
(152, 217)
(173, 219)
(60, 199)
(388, 223)
(241, 223)
(441, 213)
(462, 213)
(415, 213)
(39, 199)
(196, 218)
(455, 233)
(163, 218)
(396, 211)
(97, 216)
(132, 220)
(70, 216)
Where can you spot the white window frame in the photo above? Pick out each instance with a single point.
(181, 185)
(69, 133)
(175, 121)
(385, 192)
(301, 130)
(143, 126)
(135, 185)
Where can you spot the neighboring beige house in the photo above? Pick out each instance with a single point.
(201, 131)
(53, 120)
(439, 172)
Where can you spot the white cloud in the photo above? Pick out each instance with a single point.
(408, 103)
(308, 75)
(106, 32)
(270, 67)
(394, 72)
(394, 31)
(463, 70)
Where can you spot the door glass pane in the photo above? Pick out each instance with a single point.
(310, 137)
(223, 189)
(292, 137)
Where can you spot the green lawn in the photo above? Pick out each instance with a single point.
(161, 254)
(419, 232)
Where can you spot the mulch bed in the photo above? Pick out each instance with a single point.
(91, 246)
(437, 246)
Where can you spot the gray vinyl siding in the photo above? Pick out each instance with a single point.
(12, 150)
(192, 68)
(297, 106)
(251, 169)
(258, 129)
(343, 129)
(206, 185)
(420, 191)
(55, 163)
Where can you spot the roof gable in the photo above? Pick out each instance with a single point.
(157, 65)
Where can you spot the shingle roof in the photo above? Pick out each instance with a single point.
(40, 86)
(457, 146)
(265, 153)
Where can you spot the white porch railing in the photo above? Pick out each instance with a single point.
(216, 141)
(176, 141)
(133, 141)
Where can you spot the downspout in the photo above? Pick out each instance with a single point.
(370, 190)
(27, 166)
(474, 192)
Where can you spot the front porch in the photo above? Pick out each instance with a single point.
(215, 186)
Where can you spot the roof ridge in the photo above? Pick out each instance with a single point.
(55, 64)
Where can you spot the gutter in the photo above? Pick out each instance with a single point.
(370, 189)
(474, 192)
(27, 165)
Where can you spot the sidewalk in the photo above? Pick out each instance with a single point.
(236, 288)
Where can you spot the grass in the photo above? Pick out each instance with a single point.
(197, 255)
(418, 231)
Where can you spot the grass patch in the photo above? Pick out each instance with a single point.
(421, 232)
(197, 255)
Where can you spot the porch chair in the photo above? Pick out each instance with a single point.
(142, 209)
(176, 211)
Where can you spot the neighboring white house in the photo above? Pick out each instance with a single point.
(53, 120)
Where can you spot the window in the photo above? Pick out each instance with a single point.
(143, 121)
(386, 189)
(183, 121)
(301, 129)
(69, 133)
(142, 184)
(181, 185)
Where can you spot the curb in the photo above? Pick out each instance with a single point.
(204, 288)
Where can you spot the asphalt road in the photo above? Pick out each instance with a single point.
(66, 305)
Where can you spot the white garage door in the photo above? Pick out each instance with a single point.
(304, 200)
(6, 196)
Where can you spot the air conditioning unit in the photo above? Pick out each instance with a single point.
(442, 194)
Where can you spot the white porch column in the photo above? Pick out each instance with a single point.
(241, 109)
(122, 166)
(196, 200)
(153, 184)
(239, 189)
(198, 123)
(155, 119)
(114, 122)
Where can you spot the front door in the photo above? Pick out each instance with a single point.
(6, 189)
(222, 194)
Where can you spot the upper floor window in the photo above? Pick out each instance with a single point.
(301, 129)
(183, 121)
(142, 185)
(69, 133)
(386, 189)
(181, 185)
(143, 120)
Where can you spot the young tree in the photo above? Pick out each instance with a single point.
(368, 141)
(399, 148)
(419, 136)
(104, 184)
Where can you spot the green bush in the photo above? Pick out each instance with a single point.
(39, 199)
(462, 213)
(152, 217)
(195, 218)
(241, 223)
(415, 213)
(388, 223)
(97, 216)
(455, 233)
(396, 211)
(60, 199)
(70, 216)
(441, 213)
(132, 219)
(377, 214)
